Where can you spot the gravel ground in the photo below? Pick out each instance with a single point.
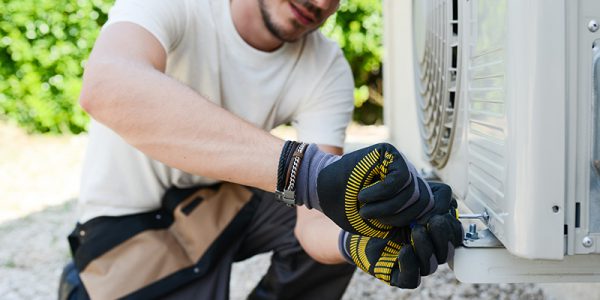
(38, 185)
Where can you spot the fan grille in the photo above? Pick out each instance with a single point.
(437, 43)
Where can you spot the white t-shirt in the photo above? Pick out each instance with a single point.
(307, 83)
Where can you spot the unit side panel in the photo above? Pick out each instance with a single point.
(486, 109)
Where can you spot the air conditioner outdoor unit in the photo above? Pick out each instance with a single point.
(501, 100)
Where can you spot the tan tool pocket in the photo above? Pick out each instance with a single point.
(153, 253)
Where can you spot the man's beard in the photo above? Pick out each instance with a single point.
(271, 26)
(277, 31)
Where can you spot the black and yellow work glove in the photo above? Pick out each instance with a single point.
(368, 192)
(436, 234)
(372, 190)
(399, 262)
(414, 250)
(393, 262)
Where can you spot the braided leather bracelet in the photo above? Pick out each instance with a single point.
(283, 162)
(286, 192)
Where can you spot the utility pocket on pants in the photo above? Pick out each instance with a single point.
(151, 254)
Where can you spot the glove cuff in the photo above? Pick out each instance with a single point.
(342, 242)
(313, 162)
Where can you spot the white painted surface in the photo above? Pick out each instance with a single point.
(522, 136)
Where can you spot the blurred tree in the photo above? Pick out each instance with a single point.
(358, 28)
(44, 44)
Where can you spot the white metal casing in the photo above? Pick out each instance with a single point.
(521, 146)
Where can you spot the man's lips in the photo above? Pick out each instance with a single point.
(305, 17)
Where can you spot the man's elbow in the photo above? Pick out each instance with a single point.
(102, 83)
(87, 99)
(91, 89)
(95, 93)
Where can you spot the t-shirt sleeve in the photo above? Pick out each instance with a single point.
(323, 119)
(165, 19)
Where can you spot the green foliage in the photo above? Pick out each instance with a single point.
(358, 28)
(43, 45)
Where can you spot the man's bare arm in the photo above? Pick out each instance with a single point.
(125, 88)
(318, 236)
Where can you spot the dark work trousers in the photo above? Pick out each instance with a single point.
(292, 273)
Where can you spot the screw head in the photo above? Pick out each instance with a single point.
(587, 242)
(593, 26)
(473, 228)
(472, 233)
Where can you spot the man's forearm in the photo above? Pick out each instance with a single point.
(173, 124)
(318, 236)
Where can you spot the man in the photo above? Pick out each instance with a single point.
(180, 168)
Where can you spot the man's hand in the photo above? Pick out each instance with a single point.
(393, 262)
(436, 234)
(366, 192)
(396, 263)
(372, 192)
(411, 251)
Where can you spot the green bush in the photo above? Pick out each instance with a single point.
(358, 28)
(44, 44)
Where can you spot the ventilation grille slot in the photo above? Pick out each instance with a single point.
(437, 42)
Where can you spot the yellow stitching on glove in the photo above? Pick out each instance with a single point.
(372, 228)
(385, 263)
(358, 250)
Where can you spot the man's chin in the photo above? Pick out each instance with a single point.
(294, 36)
(289, 33)
(291, 39)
